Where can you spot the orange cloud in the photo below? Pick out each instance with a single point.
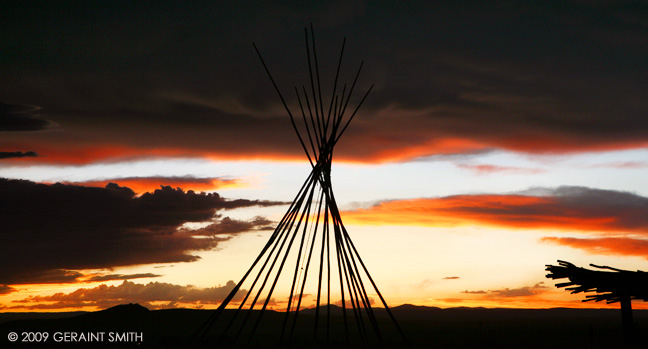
(523, 297)
(384, 151)
(91, 152)
(69, 152)
(542, 301)
(488, 169)
(390, 142)
(498, 210)
(149, 295)
(564, 208)
(562, 144)
(605, 246)
(524, 294)
(536, 296)
(525, 291)
(149, 184)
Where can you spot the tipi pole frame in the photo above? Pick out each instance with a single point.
(323, 130)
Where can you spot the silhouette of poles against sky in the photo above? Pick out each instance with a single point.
(310, 247)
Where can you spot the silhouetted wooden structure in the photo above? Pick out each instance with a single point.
(612, 286)
(310, 238)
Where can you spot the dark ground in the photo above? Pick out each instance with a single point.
(425, 327)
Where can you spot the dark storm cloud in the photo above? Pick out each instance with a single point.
(15, 117)
(16, 154)
(545, 77)
(49, 230)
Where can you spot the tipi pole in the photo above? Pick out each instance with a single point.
(204, 328)
(293, 210)
(323, 130)
(310, 254)
(292, 119)
(296, 273)
(288, 230)
(283, 262)
(310, 138)
(337, 74)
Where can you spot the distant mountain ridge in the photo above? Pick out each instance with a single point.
(136, 308)
(425, 327)
(13, 316)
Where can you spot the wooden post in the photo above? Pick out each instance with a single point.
(626, 318)
(616, 286)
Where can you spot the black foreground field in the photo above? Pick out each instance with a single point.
(425, 327)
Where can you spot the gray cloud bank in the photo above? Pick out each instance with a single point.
(49, 231)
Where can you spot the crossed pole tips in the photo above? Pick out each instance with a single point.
(310, 238)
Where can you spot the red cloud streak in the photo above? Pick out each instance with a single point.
(488, 169)
(605, 246)
(564, 208)
(360, 147)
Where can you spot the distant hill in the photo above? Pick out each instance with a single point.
(412, 307)
(124, 309)
(426, 327)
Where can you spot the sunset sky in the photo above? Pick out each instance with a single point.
(145, 157)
